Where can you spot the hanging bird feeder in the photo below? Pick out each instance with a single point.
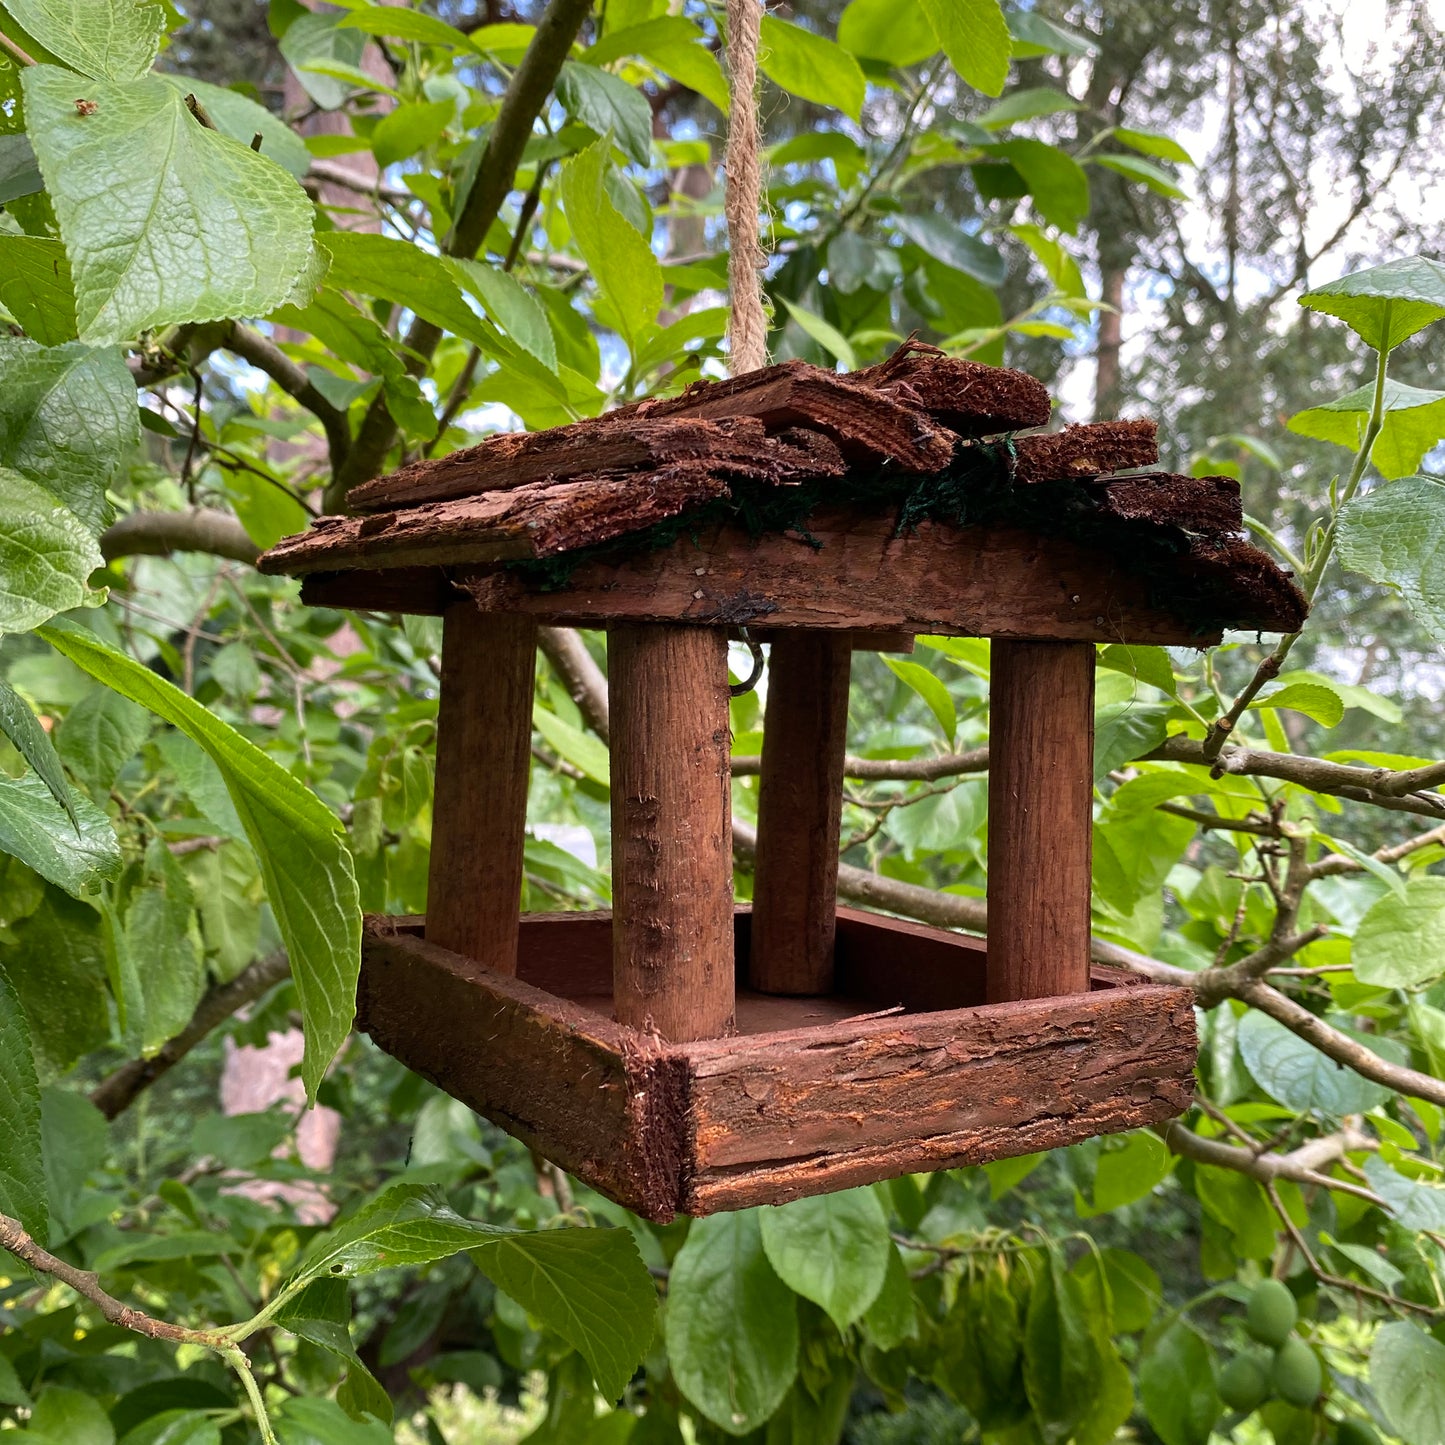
(683, 1054)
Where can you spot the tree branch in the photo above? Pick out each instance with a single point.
(158, 534)
(14, 1238)
(118, 1090)
(585, 682)
(1341, 780)
(265, 355)
(527, 93)
(1302, 1165)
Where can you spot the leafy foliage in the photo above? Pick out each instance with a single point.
(204, 782)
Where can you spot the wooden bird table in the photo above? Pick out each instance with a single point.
(685, 1054)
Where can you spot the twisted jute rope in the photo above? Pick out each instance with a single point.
(747, 325)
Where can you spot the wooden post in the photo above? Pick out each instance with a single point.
(672, 873)
(1040, 793)
(800, 802)
(479, 816)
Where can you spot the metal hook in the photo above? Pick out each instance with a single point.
(738, 689)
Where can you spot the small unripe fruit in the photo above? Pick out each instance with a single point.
(1297, 1373)
(1271, 1313)
(1356, 1432)
(1245, 1382)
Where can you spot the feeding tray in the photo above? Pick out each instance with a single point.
(681, 1054)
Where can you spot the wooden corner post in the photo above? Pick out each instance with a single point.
(479, 815)
(1040, 820)
(672, 872)
(800, 802)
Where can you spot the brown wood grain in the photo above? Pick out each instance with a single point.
(790, 1114)
(1040, 798)
(800, 802)
(672, 873)
(961, 582)
(479, 816)
(739, 447)
(602, 1101)
(817, 1095)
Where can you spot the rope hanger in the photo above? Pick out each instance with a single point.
(747, 324)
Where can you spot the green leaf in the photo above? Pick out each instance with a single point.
(811, 66)
(399, 24)
(74, 1416)
(162, 949)
(588, 1285)
(1415, 1203)
(1134, 1288)
(1028, 103)
(1126, 730)
(884, 30)
(68, 420)
(1062, 268)
(1407, 1375)
(409, 129)
(1400, 942)
(1300, 1077)
(1056, 182)
(12, 1392)
(99, 736)
(46, 555)
(824, 333)
(1152, 143)
(57, 969)
(1414, 421)
(19, 175)
(1313, 699)
(511, 306)
(241, 1141)
(629, 33)
(427, 284)
(572, 745)
(76, 856)
(316, 40)
(315, 1420)
(33, 743)
(1177, 1386)
(1128, 1172)
(732, 1324)
(175, 1427)
(1395, 536)
(228, 893)
(606, 103)
(832, 1249)
(975, 37)
(1062, 1360)
(22, 1172)
(35, 288)
(163, 220)
(300, 845)
(356, 337)
(105, 39)
(892, 1318)
(931, 689)
(944, 240)
(1033, 36)
(242, 119)
(1385, 304)
(73, 1134)
(1150, 665)
(1155, 177)
(694, 66)
(622, 263)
